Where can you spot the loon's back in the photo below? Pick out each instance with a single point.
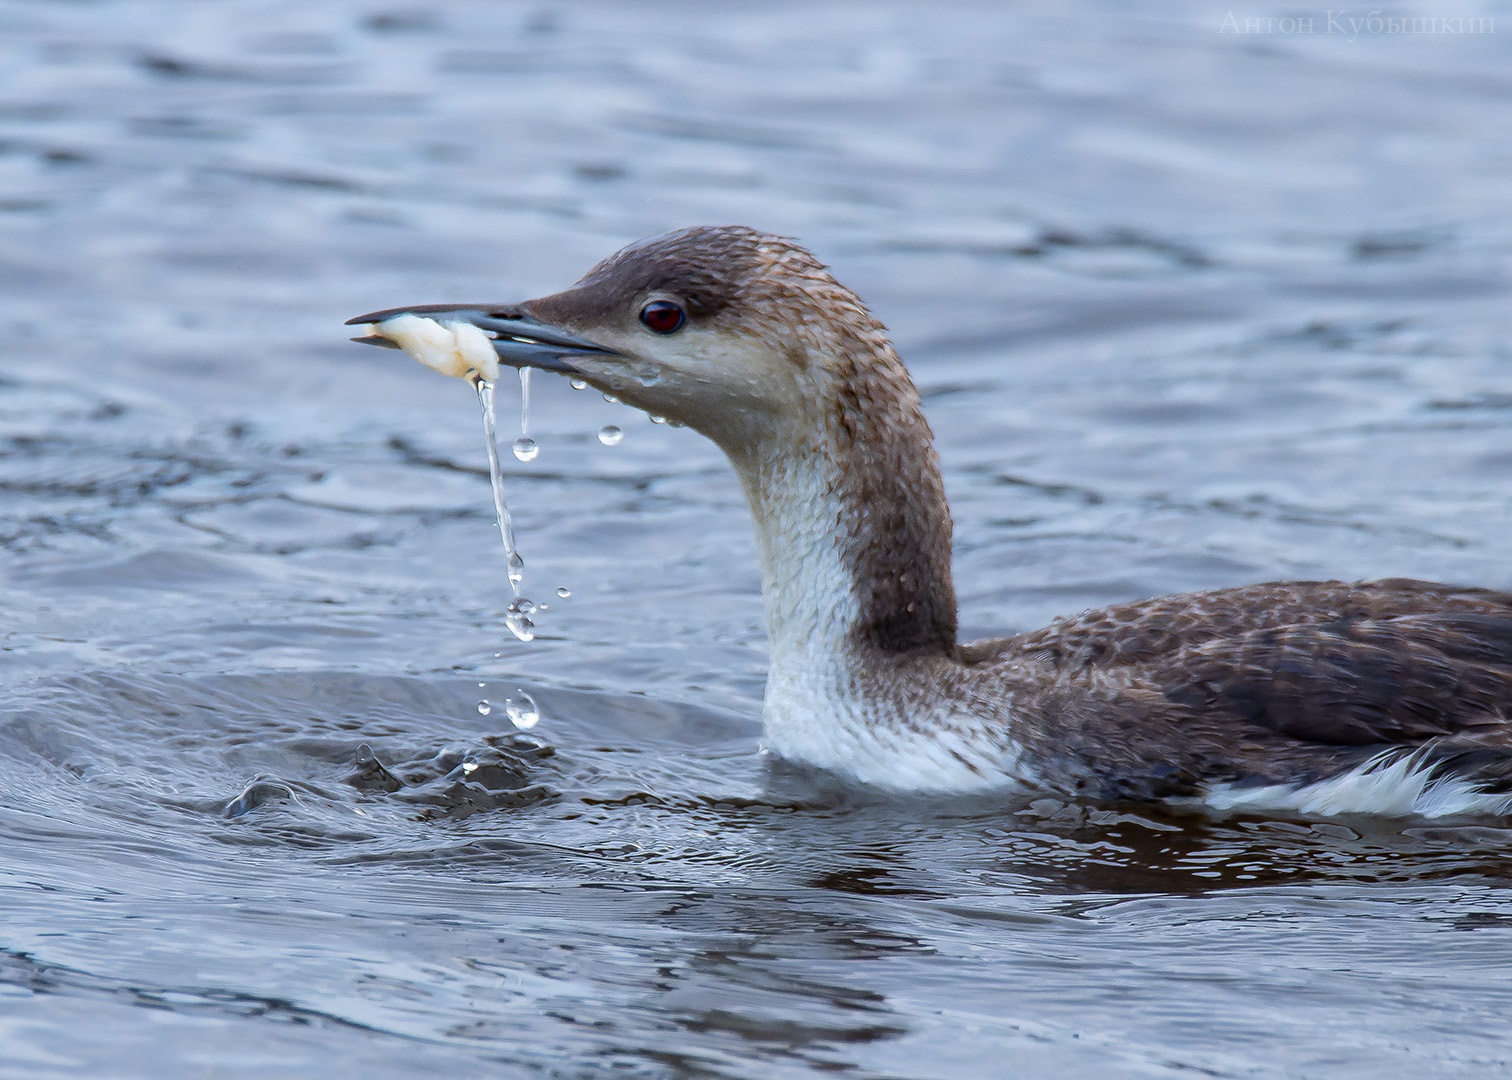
(1382, 696)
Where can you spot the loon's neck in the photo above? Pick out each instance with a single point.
(852, 527)
(854, 534)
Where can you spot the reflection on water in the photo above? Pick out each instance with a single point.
(1187, 309)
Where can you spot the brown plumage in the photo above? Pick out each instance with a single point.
(1281, 683)
(1390, 696)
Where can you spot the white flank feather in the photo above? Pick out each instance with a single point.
(1392, 783)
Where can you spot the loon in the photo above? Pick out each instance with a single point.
(1388, 697)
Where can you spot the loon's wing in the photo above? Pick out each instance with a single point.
(1287, 683)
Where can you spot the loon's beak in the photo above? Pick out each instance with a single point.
(519, 338)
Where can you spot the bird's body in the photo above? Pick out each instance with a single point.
(1322, 697)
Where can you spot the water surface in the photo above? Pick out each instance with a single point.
(1188, 308)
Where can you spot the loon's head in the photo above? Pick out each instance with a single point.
(748, 339)
(740, 335)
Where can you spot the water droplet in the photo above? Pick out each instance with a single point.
(578, 384)
(611, 399)
(481, 685)
(517, 618)
(485, 706)
(648, 375)
(526, 449)
(658, 419)
(610, 435)
(469, 766)
(564, 592)
(516, 568)
(522, 711)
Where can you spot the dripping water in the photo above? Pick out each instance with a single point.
(525, 448)
(517, 618)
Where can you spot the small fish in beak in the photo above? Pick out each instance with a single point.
(469, 341)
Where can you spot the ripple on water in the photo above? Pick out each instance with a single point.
(630, 866)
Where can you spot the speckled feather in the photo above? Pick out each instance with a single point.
(1281, 683)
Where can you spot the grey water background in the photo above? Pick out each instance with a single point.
(1189, 308)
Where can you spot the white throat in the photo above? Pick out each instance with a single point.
(831, 701)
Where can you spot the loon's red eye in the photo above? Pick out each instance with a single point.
(662, 316)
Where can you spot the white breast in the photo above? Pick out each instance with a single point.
(821, 712)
